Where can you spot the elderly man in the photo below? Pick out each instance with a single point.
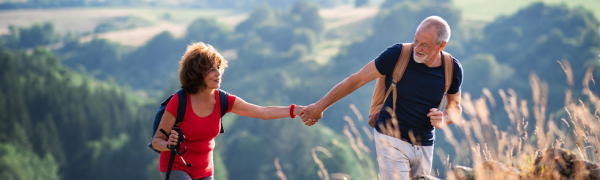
(420, 91)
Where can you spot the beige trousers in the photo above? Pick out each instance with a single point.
(399, 160)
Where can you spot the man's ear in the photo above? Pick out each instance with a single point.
(442, 46)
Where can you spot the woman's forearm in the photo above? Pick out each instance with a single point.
(276, 112)
(244, 108)
(160, 144)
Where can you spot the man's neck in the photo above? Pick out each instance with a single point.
(437, 61)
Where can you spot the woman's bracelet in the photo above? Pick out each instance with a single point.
(292, 111)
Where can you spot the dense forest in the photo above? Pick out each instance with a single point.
(66, 124)
(84, 110)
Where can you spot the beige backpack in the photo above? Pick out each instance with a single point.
(379, 94)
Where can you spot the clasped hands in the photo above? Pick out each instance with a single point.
(311, 114)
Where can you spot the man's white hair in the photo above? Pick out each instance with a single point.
(442, 29)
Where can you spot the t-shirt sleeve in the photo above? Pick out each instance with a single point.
(386, 61)
(231, 100)
(456, 78)
(173, 104)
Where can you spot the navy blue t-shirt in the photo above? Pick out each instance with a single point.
(420, 89)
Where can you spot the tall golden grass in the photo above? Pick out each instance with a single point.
(510, 153)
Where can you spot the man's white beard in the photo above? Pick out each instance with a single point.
(418, 59)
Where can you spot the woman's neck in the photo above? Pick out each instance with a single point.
(205, 94)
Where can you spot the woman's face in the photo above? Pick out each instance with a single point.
(213, 78)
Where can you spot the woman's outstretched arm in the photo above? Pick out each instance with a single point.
(243, 108)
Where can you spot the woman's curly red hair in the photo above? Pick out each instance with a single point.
(195, 65)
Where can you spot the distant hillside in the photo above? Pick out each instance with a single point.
(200, 4)
(77, 127)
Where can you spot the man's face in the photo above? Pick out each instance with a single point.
(424, 47)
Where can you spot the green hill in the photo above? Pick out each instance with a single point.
(70, 122)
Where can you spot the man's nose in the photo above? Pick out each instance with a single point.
(418, 48)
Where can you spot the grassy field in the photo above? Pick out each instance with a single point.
(80, 20)
(344, 24)
(488, 10)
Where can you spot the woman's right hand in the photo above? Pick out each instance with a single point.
(173, 138)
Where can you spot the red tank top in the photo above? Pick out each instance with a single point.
(200, 133)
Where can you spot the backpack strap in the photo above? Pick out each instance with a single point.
(401, 65)
(448, 74)
(181, 107)
(224, 101)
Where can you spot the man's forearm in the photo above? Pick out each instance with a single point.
(452, 113)
(342, 89)
(339, 91)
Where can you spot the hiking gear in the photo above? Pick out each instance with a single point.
(223, 99)
(292, 111)
(380, 95)
(175, 150)
(179, 140)
(182, 105)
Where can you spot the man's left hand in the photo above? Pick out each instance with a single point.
(436, 117)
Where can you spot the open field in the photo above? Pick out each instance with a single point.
(488, 10)
(344, 24)
(139, 36)
(81, 20)
(343, 15)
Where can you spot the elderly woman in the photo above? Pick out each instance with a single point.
(200, 74)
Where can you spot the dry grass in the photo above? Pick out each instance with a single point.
(549, 153)
(357, 146)
(516, 148)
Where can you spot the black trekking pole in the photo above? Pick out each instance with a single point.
(175, 151)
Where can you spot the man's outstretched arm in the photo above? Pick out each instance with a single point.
(341, 90)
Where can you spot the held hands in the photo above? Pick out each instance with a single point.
(437, 118)
(297, 109)
(311, 115)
